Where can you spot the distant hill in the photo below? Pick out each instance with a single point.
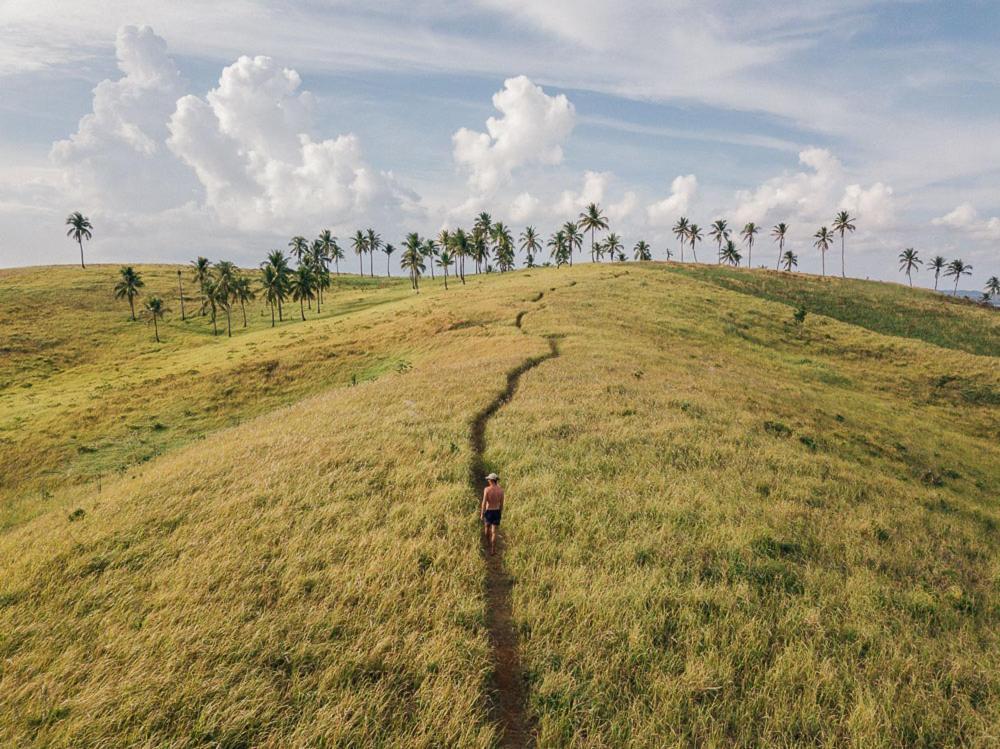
(744, 508)
(977, 296)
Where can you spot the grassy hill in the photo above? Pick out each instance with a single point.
(725, 526)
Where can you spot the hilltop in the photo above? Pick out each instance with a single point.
(746, 508)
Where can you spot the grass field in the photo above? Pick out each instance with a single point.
(725, 527)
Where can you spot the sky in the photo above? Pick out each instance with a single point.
(222, 129)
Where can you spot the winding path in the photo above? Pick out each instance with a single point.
(509, 703)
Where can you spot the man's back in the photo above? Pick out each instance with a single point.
(493, 497)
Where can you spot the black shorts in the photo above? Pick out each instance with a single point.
(492, 517)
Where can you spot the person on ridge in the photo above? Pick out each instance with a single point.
(491, 509)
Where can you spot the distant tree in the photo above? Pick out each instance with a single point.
(790, 259)
(201, 267)
(613, 245)
(303, 287)
(592, 220)
(129, 283)
(462, 246)
(225, 284)
(360, 245)
(331, 250)
(908, 261)
(993, 286)
(374, 244)
(824, 238)
(212, 301)
(681, 229)
(574, 239)
(530, 244)
(779, 232)
(243, 292)
(277, 285)
(670, 253)
(444, 260)
(272, 288)
(443, 243)
(558, 248)
(750, 231)
(694, 235)
(412, 259)
(720, 233)
(154, 310)
(937, 264)
(842, 224)
(730, 254)
(641, 251)
(504, 243)
(479, 239)
(80, 229)
(388, 250)
(180, 292)
(957, 269)
(299, 248)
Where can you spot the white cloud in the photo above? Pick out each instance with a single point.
(531, 130)
(682, 191)
(618, 212)
(594, 185)
(966, 218)
(873, 205)
(524, 207)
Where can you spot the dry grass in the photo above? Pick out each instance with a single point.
(725, 529)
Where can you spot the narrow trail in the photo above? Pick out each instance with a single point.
(509, 698)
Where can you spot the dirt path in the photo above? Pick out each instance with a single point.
(509, 698)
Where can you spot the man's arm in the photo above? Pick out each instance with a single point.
(482, 506)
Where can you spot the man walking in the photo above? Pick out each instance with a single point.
(491, 509)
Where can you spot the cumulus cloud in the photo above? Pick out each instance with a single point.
(248, 143)
(624, 208)
(682, 192)
(966, 218)
(524, 207)
(812, 195)
(592, 191)
(531, 130)
(116, 158)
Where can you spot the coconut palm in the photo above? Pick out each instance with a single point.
(993, 286)
(445, 259)
(504, 243)
(957, 269)
(443, 242)
(720, 233)
(530, 243)
(331, 249)
(462, 246)
(749, 232)
(388, 250)
(730, 254)
(843, 223)
(154, 310)
(592, 220)
(360, 245)
(180, 290)
(908, 261)
(937, 264)
(680, 230)
(243, 292)
(824, 238)
(574, 238)
(225, 283)
(790, 259)
(641, 251)
(80, 229)
(277, 261)
(299, 248)
(694, 235)
(273, 288)
(202, 269)
(128, 286)
(613, 245)
(557, 247)
(212, 301)
(429, 249)
(779, 232)
(412, 259)
(374, 244)
(303, 287)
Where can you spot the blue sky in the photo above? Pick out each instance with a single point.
(766, 111)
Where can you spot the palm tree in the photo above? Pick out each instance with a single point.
(212, 300)
(243, 292)
(720, 233)
(993, 286)
(613, 244)
(790, 259)
(908, 260)
(412, 260)
(277, 261)
(80, 229)
(479, 239)
(730, 254)
(303, 287)
(824, 238)
(299, 248)
(843, 223)
(574, 238)
(331, 250)
(641, 251)
(957, 269)
(694, 235)
(748, 234)
(443, 242)
(225, 282)
(504, 243)
(779, 232)
(531, 244)
(360, 244)
(592, 220)
(180, 289)
(154, 310)
(937, 264)
(273, 287)
(202, 269)
(444, 260)
(374, 244)
(388, 250)
(461, 247)
(128, 287)
(680, 230)
(557, 247)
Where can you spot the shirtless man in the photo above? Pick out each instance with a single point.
(491, 508)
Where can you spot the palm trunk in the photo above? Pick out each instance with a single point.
(229, 322)
(215, 328)
(373, 265)
(843, 272)
(272, 313)
(955, 290)
(694, 252)
(244, 309)
(935, 280)
(446, 277)
(781, 251)
(318, 297)
(823, 259)
(336, 265)
(131, 305)
(302, 307)
(280, 318)
(156, 330)
(80, 240)
(180, 288)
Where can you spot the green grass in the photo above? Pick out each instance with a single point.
(893, 309)
(725, 527)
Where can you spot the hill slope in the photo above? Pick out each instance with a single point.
(724, 526)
